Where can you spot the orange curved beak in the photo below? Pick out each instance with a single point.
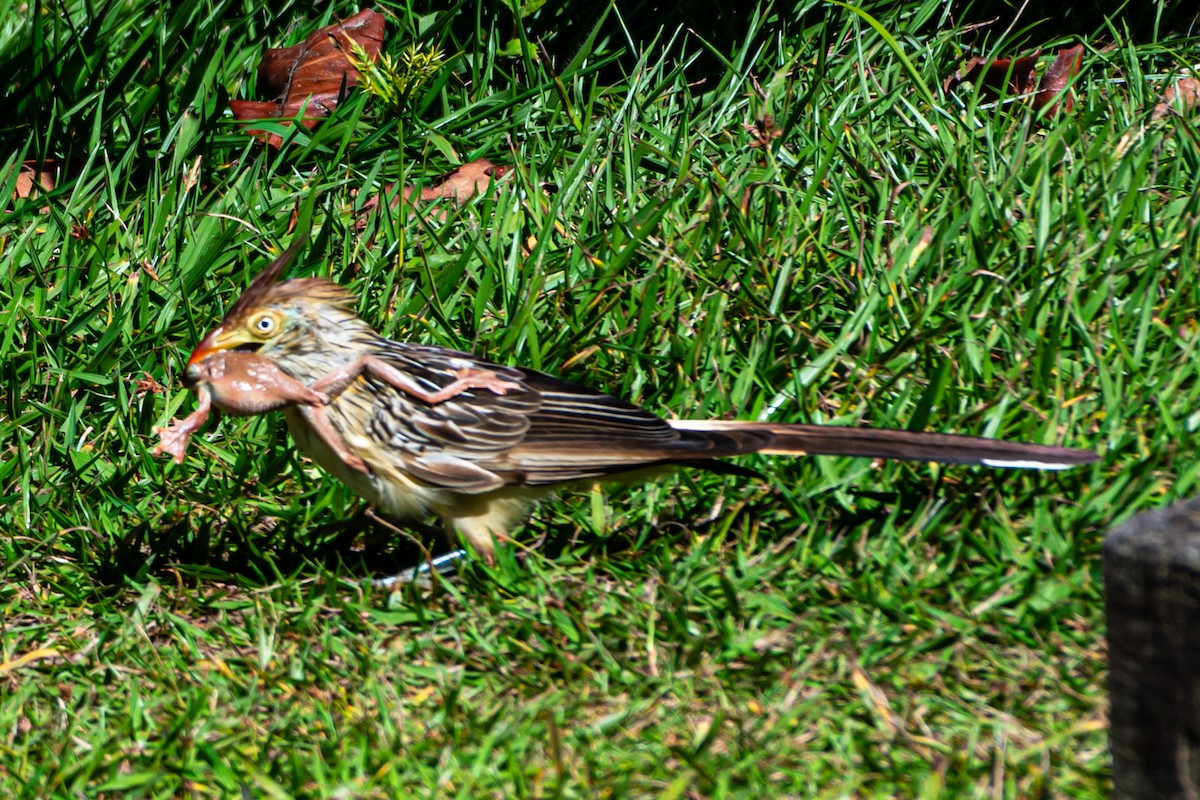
(212, 343)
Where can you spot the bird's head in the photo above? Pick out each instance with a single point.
(282, 320)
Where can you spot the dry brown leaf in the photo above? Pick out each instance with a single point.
(1017, 78)
(764, 131)
(1058, 76)
(877, 700)
(31, 181)
(149, 384)
(1002, 76)
(315, 72)
(459, 184)
(1182, 96)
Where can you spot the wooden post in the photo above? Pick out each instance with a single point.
(1152, 601)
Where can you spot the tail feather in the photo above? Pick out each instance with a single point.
(947, 448)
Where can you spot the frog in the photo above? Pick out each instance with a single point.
(244, 384)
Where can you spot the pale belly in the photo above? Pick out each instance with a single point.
(390, 490)
(481, 518)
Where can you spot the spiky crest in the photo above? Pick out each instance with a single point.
(265, 281)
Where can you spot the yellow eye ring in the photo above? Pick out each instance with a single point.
(263, 326)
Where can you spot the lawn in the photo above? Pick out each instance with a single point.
(899, 255)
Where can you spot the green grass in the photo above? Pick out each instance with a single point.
(898, 257)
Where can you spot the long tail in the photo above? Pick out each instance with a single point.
(830, 440)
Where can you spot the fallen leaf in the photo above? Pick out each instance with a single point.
(149, 384)
(1057, 77)
(764, 131)
(1017, 78)
(1001, 76)
(459, 184)
(31, 181)
(877, 701)
(1182, 96)
(313, 75)
(36, 177)
(31, 657)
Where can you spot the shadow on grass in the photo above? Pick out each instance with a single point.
(264, 549)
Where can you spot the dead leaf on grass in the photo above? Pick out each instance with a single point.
(36, 178)
(313, 75)
(1182, 96)
(877, 701)
(32, 657)
(763, 131)
(31, 181)
(1017, 78)
(1058, 77)
(459, 185)
(148, 384)
(1009, 76)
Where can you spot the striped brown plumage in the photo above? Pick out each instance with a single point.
(480, 458)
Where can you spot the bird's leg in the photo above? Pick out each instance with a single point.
(467, 378)
(174, 438)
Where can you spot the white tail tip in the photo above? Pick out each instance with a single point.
(1022, 464)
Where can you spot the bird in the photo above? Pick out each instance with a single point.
(476, 443)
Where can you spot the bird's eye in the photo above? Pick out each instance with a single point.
(264, 325)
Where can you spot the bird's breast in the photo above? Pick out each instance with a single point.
(388, 486)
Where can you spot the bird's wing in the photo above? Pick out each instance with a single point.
(543, 431)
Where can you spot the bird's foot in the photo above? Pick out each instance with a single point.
(444, 564)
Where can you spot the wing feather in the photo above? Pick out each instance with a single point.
(546, 431)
